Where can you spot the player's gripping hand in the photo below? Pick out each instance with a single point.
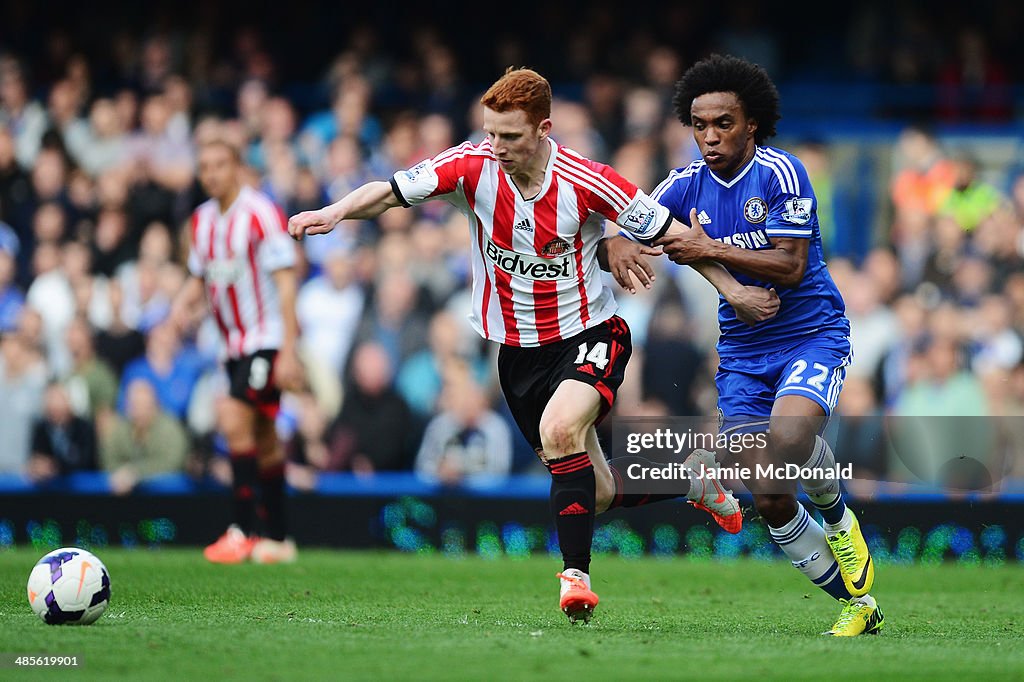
(289, 373)
(625, 259)
(755, 304)
(180, 318)
(685, 247)
(311, 222)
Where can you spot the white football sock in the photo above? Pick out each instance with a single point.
(803, 541)
(826, 494)
(845, 524)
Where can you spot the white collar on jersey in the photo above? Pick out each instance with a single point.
(738, 176)
(547, 176)
(245, 189)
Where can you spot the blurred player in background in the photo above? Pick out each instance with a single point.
(242, 256)
(752, 209)
(536, 212)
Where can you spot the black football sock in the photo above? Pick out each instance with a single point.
(652, 490)
(273, 512)
(573, 493)
(244, 471)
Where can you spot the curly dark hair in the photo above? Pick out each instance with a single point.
(750, 83)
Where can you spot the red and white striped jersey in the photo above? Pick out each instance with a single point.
(536, 279)
(235, 253)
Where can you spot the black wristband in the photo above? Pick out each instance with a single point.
(398, 193)
(662, 231)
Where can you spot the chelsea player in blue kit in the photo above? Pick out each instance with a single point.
(751, 208)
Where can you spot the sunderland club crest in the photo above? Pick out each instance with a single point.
(556, 247)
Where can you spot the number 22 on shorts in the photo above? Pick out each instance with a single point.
(815, 380)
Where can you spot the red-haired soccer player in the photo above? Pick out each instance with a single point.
(536, 213)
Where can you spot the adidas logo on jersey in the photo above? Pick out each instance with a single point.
(703, 218)
(523, 225)
(574, 509)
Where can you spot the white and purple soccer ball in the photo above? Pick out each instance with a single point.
(69, 586)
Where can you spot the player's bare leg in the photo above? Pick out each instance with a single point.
(605, 482)
(702, 491)
(237, 423)
(566, 427)
(273, 547)
(793, 433)
(796, 422)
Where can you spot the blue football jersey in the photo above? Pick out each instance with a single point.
(770, 197)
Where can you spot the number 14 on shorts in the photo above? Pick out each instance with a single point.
(596, 353)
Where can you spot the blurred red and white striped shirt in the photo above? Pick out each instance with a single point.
(235, 253)
(536, 279)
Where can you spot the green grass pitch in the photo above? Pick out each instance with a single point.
(384, 616)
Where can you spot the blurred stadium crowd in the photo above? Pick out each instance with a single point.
(97, 180)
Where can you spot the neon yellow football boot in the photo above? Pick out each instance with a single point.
(860, 616)
(851, 552)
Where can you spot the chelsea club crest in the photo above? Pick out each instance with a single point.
(755, 210)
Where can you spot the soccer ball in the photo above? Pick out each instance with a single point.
(69, 586)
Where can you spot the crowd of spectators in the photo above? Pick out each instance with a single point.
(96, 186)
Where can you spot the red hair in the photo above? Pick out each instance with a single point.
(523, 89)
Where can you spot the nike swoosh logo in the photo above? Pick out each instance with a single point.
(31, 596)
(721, 494)
(81, 580)
(859, 583)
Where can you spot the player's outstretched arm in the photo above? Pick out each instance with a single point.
(288, 371)
(625, 259)
(368, 201)
(783, 265)
(185, 304)
(752, 304)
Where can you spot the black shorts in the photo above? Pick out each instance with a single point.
(529, 376)
(251, 379)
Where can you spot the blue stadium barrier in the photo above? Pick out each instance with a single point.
(399, 484)
(489, 518)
